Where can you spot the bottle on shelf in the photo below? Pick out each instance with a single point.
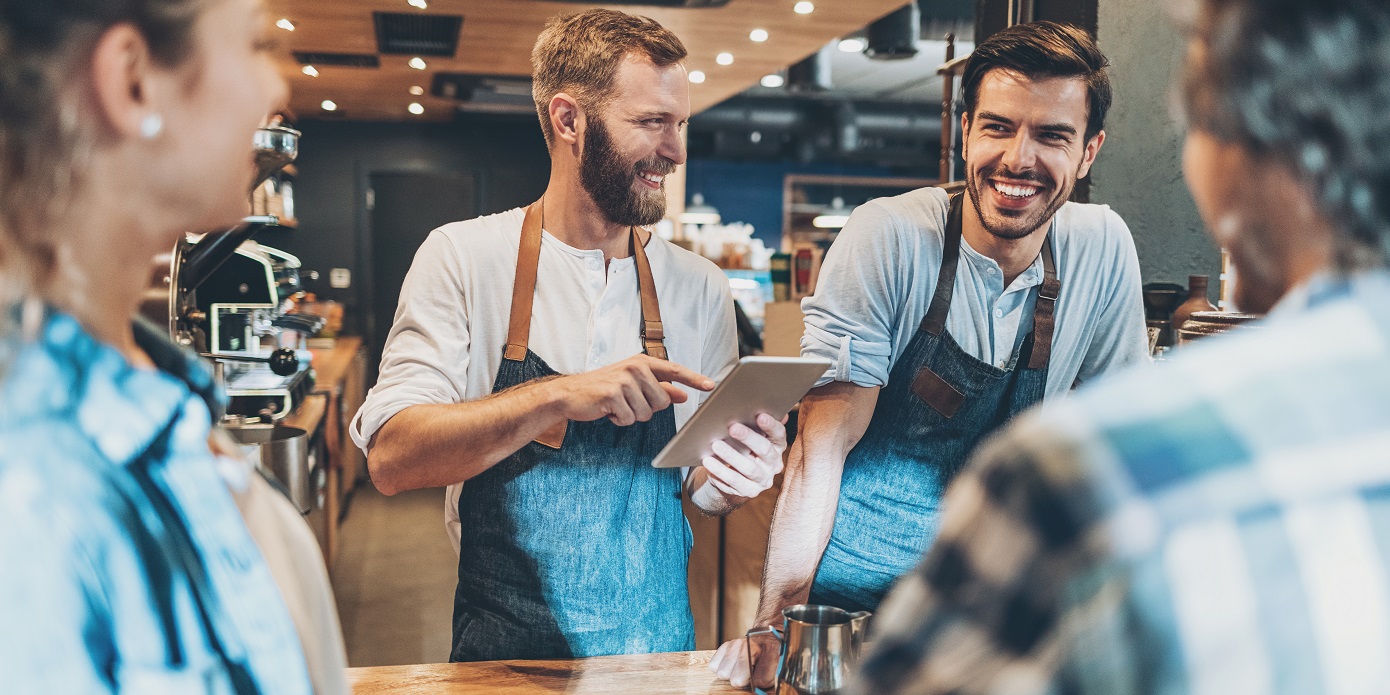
(1196, 300)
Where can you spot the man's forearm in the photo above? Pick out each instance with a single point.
(833, 419)
(434, 445)
(801, 526)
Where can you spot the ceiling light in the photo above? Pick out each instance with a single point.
(758, 35)
(724, 59)
(418, 3)
(417, 90)
(773, 80)
(699, 213)
(417, 63)
(285, 24)
(697, 76)
(833, 218)
(852, 45)
(310, 70)
(329, 105)
(415, 108)
(803, 7)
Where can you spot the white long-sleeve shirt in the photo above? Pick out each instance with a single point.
(445, 345)
(880, 274)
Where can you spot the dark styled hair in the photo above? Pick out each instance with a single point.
(580, 54)
(1040, 50)
(1308, 85)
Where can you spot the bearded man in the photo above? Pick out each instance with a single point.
(944, 318)
(542, 407)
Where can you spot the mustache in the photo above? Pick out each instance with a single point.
(1032, 176)
(657, 165)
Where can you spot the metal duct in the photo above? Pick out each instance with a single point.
(894, 37)
(811, 74)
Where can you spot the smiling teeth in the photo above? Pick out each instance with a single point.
(1014, 191)
(654, 178)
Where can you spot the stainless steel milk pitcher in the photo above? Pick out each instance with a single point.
(820, 645)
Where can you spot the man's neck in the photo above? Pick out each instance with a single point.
(1013, 255)
(572, 217)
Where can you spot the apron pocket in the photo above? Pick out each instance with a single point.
(937, 392)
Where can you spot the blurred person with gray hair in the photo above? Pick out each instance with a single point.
(1220, 524)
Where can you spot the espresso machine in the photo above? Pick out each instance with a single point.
(226, 297)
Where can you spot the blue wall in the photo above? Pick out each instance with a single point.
(751, 192)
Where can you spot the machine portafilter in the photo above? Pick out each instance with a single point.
(282, 361)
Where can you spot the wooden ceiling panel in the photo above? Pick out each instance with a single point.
(497, 36)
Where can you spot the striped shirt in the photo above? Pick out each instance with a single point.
(1219, 524)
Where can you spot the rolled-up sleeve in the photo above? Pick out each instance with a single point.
(425, 360)
(850, 319)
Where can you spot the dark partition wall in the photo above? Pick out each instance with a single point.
(504, 158)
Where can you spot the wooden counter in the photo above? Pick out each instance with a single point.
(331, 364)
(676, 673)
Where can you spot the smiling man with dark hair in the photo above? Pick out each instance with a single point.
(945, 317)
(1219, 524)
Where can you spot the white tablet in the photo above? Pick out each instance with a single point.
(753, 385)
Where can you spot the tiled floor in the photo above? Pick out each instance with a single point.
(394, 578)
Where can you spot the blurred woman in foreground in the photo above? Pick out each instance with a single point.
(125, 563)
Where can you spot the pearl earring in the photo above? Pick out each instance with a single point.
(151, 125)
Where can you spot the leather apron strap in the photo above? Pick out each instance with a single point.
(1044, 311)
(653, 334)
(524, 289)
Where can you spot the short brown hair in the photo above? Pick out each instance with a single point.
(1038, 50)
(580, 54)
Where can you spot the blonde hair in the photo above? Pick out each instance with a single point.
(579, 54)
(43, 138)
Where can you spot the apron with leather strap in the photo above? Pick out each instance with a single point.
(939, 403)
(575, 545)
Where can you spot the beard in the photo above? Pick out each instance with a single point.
(609, 180)
(1016, 224)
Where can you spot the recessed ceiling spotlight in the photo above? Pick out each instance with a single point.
(415, 108)
(285, 24)
(418, 3)
(310, 70)
(852, 45)
(758, 35)
(697, 76)
(773, 80)
(724, 59)
(329, 105)
(417, 63)
(803, 7)
(417, 90)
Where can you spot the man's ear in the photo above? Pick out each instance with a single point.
(122, 82)
(1089, 156)
(565, 117)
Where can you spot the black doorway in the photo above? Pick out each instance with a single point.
(403, 209)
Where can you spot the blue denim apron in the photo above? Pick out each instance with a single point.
(575, 545)
(939, 403)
